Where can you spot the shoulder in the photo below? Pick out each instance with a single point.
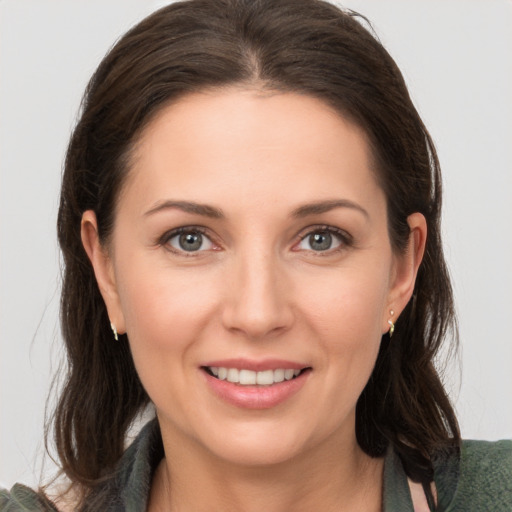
(129, 485)
(127, 488)
(479, 479)
(482, 452)
(23, 499)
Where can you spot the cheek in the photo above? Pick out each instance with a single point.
(165, 311)
(166, 316)
(344, 313)
(348, 304)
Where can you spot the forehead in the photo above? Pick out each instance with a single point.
(251, 143)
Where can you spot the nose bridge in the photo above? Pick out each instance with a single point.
(258, 300)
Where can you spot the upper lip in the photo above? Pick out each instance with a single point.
(256, 365)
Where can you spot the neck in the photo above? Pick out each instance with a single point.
(333, 477)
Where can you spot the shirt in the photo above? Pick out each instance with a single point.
(479, 481)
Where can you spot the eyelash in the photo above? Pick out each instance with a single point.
(169, 235)
(345, 238)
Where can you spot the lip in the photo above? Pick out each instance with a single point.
(256, 397)
(257, 366)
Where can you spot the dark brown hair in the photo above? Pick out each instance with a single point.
(305, 46)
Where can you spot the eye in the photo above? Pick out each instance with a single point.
(323, 240)
(188, 240)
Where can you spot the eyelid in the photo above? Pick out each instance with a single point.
(346, 238)
(163, 240)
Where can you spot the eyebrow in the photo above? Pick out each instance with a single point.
(189, 207)
(206, 210)
(326, 206)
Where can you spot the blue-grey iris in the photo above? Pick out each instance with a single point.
(320, 241)
(191, 241)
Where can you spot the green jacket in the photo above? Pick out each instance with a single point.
(481, 481)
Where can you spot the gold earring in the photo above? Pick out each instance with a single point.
(391, 324)
(114, 330)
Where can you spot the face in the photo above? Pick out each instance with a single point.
(251, 268)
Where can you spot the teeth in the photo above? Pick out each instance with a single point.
(251, 378)
(265, 378)
(233, 375)
(278, 375)
(247, 377)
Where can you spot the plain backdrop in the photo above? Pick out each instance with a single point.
(456, 59)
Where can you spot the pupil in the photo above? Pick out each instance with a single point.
(191, 241)
(320, 241)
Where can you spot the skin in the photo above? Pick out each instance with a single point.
(257, 289)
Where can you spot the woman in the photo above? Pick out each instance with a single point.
(250, 225)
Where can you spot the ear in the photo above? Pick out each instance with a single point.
(405, 269)
(103, 269)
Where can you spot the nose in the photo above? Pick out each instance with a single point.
(257, 304)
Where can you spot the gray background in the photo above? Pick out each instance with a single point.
(456, 58)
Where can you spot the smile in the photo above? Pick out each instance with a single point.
(246, 377)
(255, 384)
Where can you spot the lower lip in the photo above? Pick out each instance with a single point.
(256, 397)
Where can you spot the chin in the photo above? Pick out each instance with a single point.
(258, 452)
(261, 443)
